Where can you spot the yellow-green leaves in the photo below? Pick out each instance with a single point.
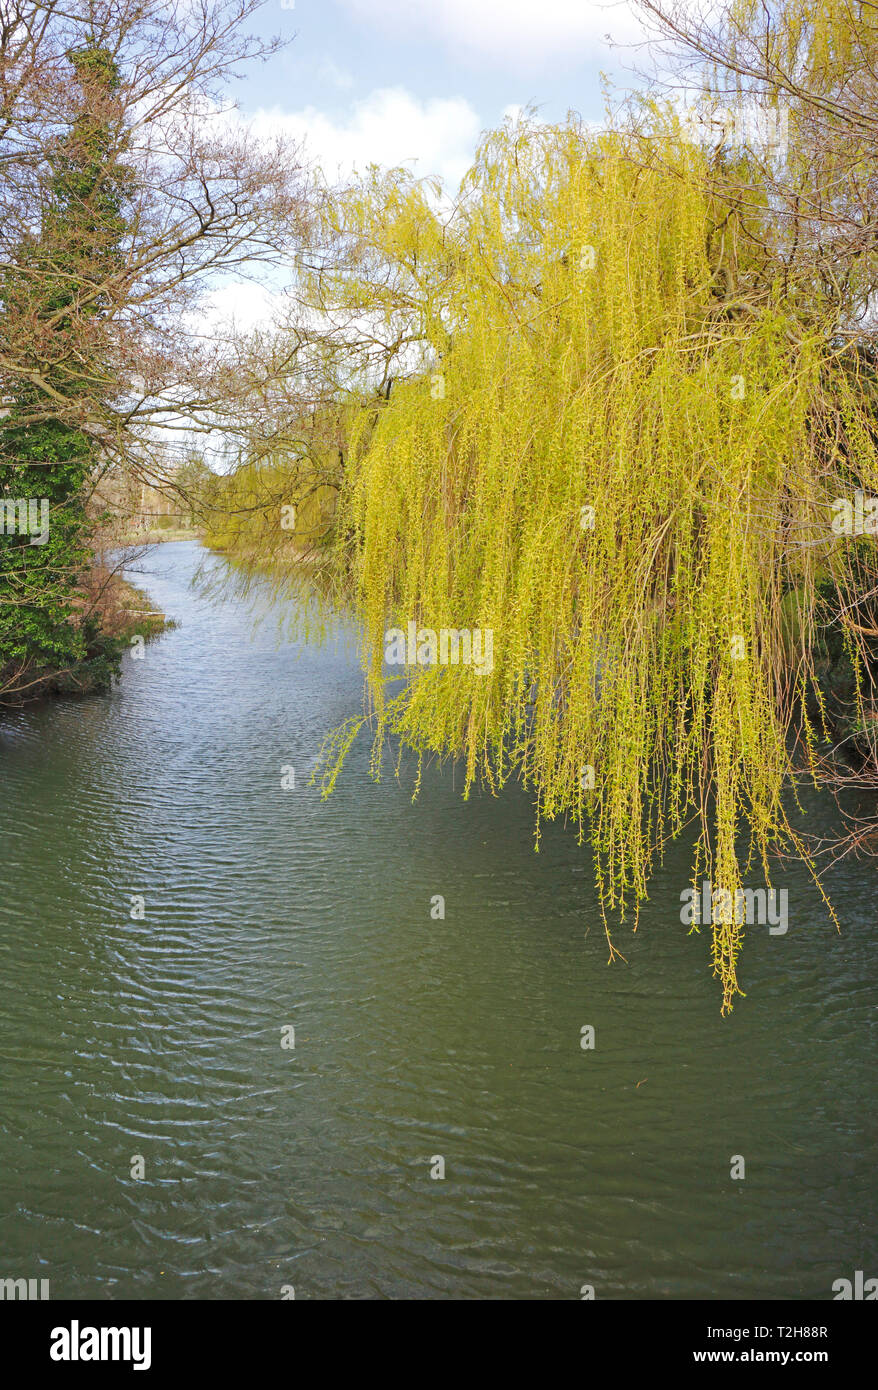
(620, 468)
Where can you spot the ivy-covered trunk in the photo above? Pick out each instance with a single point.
(56, 314)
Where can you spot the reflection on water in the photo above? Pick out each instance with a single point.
(160, 1035)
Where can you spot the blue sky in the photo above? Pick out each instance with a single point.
(410, 81)
(397, 80)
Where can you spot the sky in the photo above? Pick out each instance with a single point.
(417, 81)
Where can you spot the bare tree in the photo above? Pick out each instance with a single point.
(809, 201)
(130, 189)
(205, 201)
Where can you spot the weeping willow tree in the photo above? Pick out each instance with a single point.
(621, 464)
(814, 63)
(272, 508)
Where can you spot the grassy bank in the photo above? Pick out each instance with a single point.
(116, 613)
(154, 537)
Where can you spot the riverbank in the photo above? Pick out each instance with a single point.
(125, 611)
(182, 533)
(116, 612)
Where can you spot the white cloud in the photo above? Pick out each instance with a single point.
(330, 73)
(515, 33)
(389, 127)
(513, 112)
(240, 303)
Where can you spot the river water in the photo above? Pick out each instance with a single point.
(153, 1043)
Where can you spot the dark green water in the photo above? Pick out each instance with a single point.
(266, 907)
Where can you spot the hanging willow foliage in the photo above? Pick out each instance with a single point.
(624, 468)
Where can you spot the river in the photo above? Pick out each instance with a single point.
(150, 1039)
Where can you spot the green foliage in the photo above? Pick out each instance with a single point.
(587, 349)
